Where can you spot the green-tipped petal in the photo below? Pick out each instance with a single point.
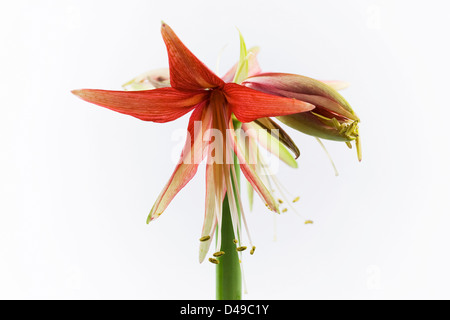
(310, 124)
(274, 145)
(253, 65)
(273, 128)
(242, 67)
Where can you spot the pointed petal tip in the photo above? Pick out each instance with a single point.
(152, 216)
(76, 92)
(201, 257)
(83, 94)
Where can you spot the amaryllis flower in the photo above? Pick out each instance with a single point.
(193, 87)
(332, 119)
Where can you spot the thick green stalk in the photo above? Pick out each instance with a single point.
(228, 271)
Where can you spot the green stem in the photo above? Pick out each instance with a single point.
(228, 271)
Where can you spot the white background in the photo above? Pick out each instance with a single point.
(77, 181)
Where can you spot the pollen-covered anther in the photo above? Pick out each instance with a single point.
(214, 261)
(280, 201)
(253, 250)
(218, 254)
(205, 238)
(284, 210)
(240, 249)
(296, 200)
(235, 241)
(309, 222)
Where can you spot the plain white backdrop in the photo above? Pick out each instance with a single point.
(77, 181)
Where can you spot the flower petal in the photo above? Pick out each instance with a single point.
(272, 127)
(303, 88)
(253, 66)
(187, 72)
(192, 155)
(242, 67)
(215, 194)
(250, 173)
(153, 79)
(159, 105)
(248, 104)
(210, 220)
(270, 142)
(310, 124)
(337, 84)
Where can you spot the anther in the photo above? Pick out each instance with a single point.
(214, 261)
(284, 210)
(205, 238)
(309, 222)
(219, 254)
(296, 200)
(280, 201)
(336, 123)
(253, 250)
(240, 249)
(235, 241)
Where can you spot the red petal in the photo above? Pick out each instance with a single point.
(191, 157)
(248, 104)
(159, 105)
(186, 71)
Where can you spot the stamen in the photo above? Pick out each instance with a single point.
(274, 227)
(238, 192)
(233, 194)
(273, 182)
(205, 238)
(218, 212)
(352, 130)
(219, 254)
(328, 155)
(214, 261)
(336, 124)
(358, 148)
